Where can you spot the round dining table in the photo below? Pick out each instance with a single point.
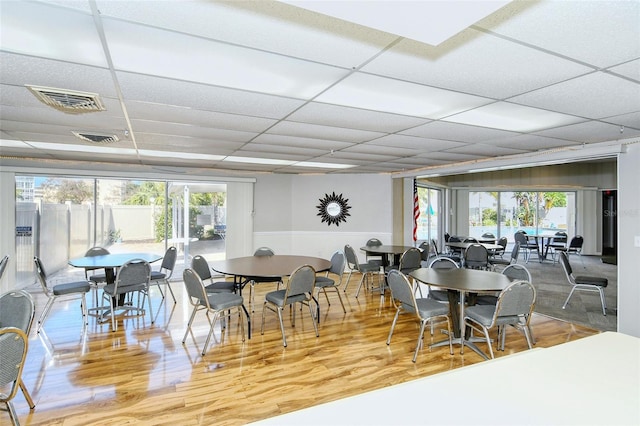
(385, 251)
(459, 282)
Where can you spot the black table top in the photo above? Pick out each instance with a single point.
(468, 280)
(113, 260)
(385, 249)
(275, 266)
(488, 246)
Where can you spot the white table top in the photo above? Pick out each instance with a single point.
(591, 381)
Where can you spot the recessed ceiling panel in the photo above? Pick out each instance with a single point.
(469, 64)
(274, 27)
(457, 132)
(530, 142)
(339, 116)
(394, 151)
(192, 131)
(194, 117)
(189, 58)
(39, 29)
(295, 142)
(599, 33)
(629, 69)
(416, 143)
(483, 150)
(289, 128)
(383, 94)
(512, 117)
(203, 97)
(591, 132)
(590, 96)
(187, 144)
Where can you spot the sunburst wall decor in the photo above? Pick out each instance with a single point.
(333, 209)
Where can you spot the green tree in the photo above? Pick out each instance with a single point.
(59, 191)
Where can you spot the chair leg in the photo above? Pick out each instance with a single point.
(284, 337)
(45, 313)
(212, 323)
(27, 395)
(346, 284)
(415, 353)
(193, 315)
(171, 291)
(360, 285)
(604, 304)
(12, 413)
(393, 325)
(569, 297)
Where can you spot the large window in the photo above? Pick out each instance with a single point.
(429, 221)
(504, 213)
(58, 218)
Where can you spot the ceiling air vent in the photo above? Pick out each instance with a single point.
(68, 101)
(96, 138)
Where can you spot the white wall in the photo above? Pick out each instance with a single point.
(628, 229)
(286, 217)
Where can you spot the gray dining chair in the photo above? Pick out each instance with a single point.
(133, 278)
(214, 304)
(441, 263)
(200, 265)
(425, 310)
(332, 280)
(65, 291)
(96, 280)
(583, 282)
(370, 258)
(367, 270)
(163, 276)
(18, 310)
(300, 288)
(476, 256)
(527, 246)
(574, 247)
(514, 307)
(14, 345)
(252, 281)
(513, 258)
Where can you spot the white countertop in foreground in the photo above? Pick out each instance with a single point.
(591, 381)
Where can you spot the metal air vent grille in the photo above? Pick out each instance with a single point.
(96, 138)
(69, 101)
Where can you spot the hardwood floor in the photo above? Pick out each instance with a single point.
(143, 374)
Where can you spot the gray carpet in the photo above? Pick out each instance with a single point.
(584, 307)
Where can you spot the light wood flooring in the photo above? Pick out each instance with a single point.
(143, 374)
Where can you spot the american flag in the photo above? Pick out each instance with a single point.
(416, 211)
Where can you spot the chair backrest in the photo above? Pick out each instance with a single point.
(410, 259)
(564, 261)
(517, 272)
(454, 239)
(13, 352)
(518, 299)
(96, 251)
(352, 259)
(559, 237)
(576, 243)
(503, 242)
(447, 236)
(17, 310)
(434, 246)
(201, 267)
(41, 274)
(169, 259)
(301, 281)
(3, 265)
(488, 235)
(195, 288)
(264, 251)
(470, 240)
(132, 275)
(338, 263)
(425, 250)
(476, 256)
(443, 263)
(515, 252)
(373, 242)
(402, 290)
(520, 237)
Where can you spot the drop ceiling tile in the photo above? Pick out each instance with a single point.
(35, 29)
(20, 70)
(414, 142)
(359, 157)
(393, 151)
(630, 69)
(450, 157)
(457, 132)
(590, 132)
(599, 33)
(482, 150)
(512, 117)
(187, 144)
(188, 130)
(39, 117)
(295, 142)
(288, 156)
(593, 96)
(384, 94)
(268, 26)
(315, 131)
(195, 59)
(194, 117)
(203, 97)
(468, 63)
(628, 120)
(302, 153)
(339, 116)
(530, 142)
